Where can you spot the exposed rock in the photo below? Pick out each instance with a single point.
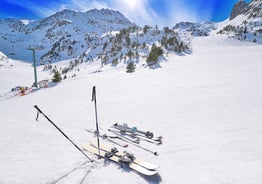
(238, 8)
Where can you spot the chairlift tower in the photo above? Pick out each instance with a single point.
(33, 49)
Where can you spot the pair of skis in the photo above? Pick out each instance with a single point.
(134, 137)
(123, 139)
(125, 127)
(118, 157)
(123, 158)
(109, 138)
(133, 132)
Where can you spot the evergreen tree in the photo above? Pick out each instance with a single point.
(146, 28)
(128, 40)
(130, 67)
(57, 77)
(155, 52)
(115, 62)
(144, 45)
(105, 45)
(130, 54)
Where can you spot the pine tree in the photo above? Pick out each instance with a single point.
(115, 61)
(155, 52)
(130, 54)
(57, 77)
(130, 67)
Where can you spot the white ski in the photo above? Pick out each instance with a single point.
(142, 163)
(118, 160)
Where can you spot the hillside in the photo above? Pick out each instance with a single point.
(103, 36)
(245, 22)
(106, 36)
(60, 36)
(198, 85)
(207, 106)
(5, 61)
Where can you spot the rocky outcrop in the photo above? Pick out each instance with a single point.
(238, 8)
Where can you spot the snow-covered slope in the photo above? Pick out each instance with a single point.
(103, 35)
(245, 22)
(5, 61)
(196, 29)
(207, 106)
(17, 73)
(89, 36)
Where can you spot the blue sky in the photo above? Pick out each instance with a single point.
(151, 12)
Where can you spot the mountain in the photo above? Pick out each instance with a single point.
(107, 36)
(196, 29)
(245, 22)
(104, 36)
(207, 105)
(60, 36)
(238, 8)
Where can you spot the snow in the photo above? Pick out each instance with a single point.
(207, 106)
(66, 27)
(16, 73)
(248, 22)
(25, 22)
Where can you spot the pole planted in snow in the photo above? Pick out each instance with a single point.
(97, 129)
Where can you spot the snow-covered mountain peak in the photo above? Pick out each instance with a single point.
(70, 34)
(25, 22)
(66, 29)
(245, 22)
(247, 11)
(100, 19)
(238, 8)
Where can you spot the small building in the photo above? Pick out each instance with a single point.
(43, 84)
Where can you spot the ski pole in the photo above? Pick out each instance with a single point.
(137, 141)
(133, 143)
(39, 111)
(145, 149)
(97, 129)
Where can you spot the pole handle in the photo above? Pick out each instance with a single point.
(35, 106)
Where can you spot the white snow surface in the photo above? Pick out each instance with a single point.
(207, 106)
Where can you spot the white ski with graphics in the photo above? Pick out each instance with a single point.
(120, 159)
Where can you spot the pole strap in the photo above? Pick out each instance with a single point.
(37, 115)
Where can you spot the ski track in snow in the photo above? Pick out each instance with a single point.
(79, 169)
(207, 106)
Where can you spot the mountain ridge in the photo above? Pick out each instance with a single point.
(16, 35)
(70, 34)
(245, 22)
